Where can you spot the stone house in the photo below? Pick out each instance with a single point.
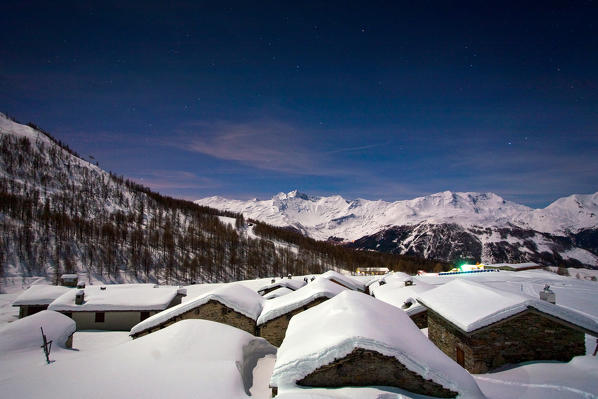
(356, 340)
(25, 333)
(514, 267)
(116, 307)
(277, 292)
(371, 271)
(390, 278)
(344, 281)
(38, 298)
(289, 283)
(482, 328)
(232, 304)
(403, 296)
(276, 314)
(69, 280)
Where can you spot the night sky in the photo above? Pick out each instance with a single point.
(379, 100)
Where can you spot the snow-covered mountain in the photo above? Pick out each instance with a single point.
(484, 225)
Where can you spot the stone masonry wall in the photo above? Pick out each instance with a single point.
(274, 330)
(367, 368)
(525, 337)
(214, 311)
(420, 319)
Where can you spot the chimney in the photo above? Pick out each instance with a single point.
(178, 298)
(79, 297)
(381, 282)
(548, 295)
(408, 282)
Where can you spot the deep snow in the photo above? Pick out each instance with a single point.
(536, 380)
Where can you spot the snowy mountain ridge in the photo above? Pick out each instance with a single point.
(333, 216)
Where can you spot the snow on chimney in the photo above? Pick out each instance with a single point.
(79, 297)
(548, 295)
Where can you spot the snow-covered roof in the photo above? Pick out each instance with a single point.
(351, 320)
(398, 294)
(25, 333)
(470, 305)
(347, 281)
(293, 284)
(69, 276)
(114, 297)
(192, 358)
(395, 278)
(514, 266)
(235, 296)
(319, 288)
(278, 292)
(40, 295)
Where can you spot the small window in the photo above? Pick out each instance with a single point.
(143, 316)
(100, 316)
(460, 357)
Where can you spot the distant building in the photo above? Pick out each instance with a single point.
(391, 278)
(116, 307)
(278, 293)
(276, 314)
(37, 298)
(291, 284)
(514, 267)
(356, 340)
(482, 328)
(232, 304)
(344, 281)
(371, 271)
(69, 280)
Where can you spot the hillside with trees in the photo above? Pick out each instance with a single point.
(60, 214)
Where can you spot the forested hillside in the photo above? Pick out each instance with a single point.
(61, 214)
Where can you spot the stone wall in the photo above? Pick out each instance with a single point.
(274, 330)
(28, 310)
(420, 319)
(523, 337)
(213, 311)
(368, 368)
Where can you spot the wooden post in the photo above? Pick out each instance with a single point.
(47, 346)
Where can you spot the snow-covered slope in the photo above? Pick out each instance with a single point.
(445, 225)
(62, 214)
(575, 212)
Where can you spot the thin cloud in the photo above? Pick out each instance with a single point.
(174, 180)
(267, 144)
(354, 149)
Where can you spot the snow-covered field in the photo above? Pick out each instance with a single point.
(209, 360)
